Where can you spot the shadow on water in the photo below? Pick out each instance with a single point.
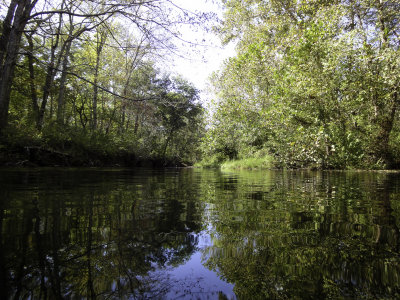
(191, 234)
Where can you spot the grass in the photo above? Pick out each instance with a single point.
(265, 162)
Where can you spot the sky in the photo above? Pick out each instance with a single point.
(196, 64)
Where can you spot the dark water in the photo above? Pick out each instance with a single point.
(191, 234)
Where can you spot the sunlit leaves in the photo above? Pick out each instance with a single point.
(320, 76)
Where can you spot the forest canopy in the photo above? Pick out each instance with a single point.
(82, 78)
(313, 84)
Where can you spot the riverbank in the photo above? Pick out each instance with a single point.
(78, 150)
(268, 162)
(251, 163)
(35, 156)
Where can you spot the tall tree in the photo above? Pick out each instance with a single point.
(101, 36)
(13, 26)
(147, 17)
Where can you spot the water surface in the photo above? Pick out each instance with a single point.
(193, 234)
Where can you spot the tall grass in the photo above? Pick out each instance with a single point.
(251, 163)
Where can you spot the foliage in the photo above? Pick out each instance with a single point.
(181, 120)
(213, 161)
(313, 83)
(84, 81)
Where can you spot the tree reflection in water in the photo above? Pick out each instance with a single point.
(136, 234)
(94, 234)
(308, 235)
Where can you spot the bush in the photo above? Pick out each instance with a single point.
(214, 161)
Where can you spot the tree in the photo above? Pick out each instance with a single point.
(12, 29)
(179, 111)
(319, 78)
(63, 23)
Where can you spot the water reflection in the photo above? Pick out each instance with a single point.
(90, 234)
(308, 235)
(191, 234)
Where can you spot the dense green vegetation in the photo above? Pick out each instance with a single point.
(314, 84)
(79, 84)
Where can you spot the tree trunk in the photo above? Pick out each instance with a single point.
(99, 48)
(61, 93)
(386, 126)
(7, 25)
(95, 96)
(123, 117)
(34, 98)
(136, 128)
(50, 73)
(13, 27)
(167, 143)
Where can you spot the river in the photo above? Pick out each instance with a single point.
(198, 234)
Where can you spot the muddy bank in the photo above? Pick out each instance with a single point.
(36, 156)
